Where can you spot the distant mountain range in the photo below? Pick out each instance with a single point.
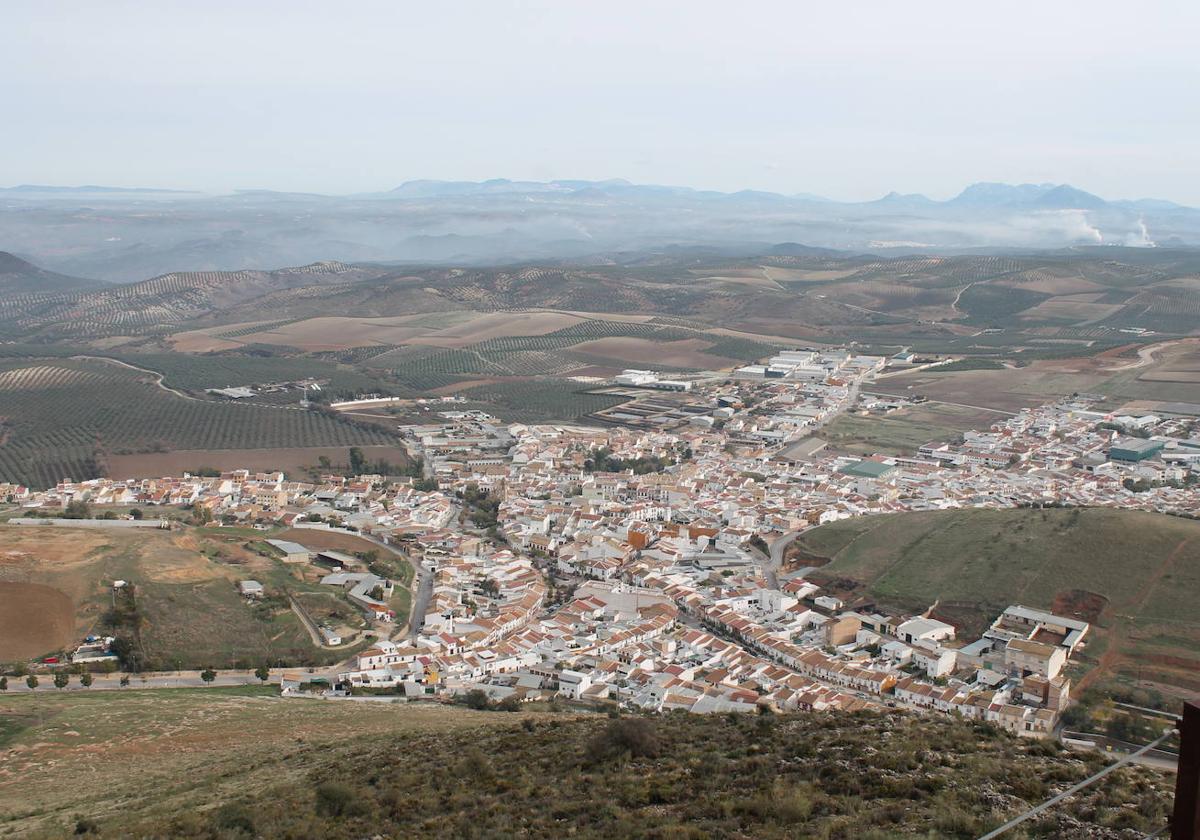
(142, 233)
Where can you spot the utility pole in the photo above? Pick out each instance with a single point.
(1185, 822)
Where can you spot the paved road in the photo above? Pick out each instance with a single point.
(777, 551)
(161, 679)
(420, 602)
(422, 591)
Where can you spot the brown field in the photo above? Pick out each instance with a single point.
(199, 341)
(448, 329)
(732, 282)
(292, 461)
(804, 275)
(500, 325)
(1070, 308)
(68, 570)
(686, 353)
(185, 583)
(327, 540)
(337, 333)
(34, 620)
(1052, 285)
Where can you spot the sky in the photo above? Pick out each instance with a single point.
(848, 102)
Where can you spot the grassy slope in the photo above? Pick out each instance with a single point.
(234, 764)
(1147, 567)
(130, 753)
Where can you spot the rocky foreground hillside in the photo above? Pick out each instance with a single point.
(821, 775)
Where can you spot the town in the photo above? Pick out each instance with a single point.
(645, 565)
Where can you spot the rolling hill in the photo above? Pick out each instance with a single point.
(136, 308)
(19, 277)
(1135, 575)
(1086, 297)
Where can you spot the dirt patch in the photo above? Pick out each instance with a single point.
(688, 353)
(969, 620)
(34, 620)
(1080, 604)
(292, 461)
(330, 540)
(499, 325)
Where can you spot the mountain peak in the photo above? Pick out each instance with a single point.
(1056, 196)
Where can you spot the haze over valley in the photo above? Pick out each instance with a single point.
(123, 234)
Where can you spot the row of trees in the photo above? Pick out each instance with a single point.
(63, 678)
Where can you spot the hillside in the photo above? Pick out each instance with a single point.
(1043, 303)
(20, 277)
(275, 769)
(1135, 575)
(188, 611)
(137, 308)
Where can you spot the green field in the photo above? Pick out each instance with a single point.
(903, 432)
(237, 763)
(539, 400)
(1145, 567)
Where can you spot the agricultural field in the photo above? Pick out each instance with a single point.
(1161, 371)
(195, 374)
(976, 562)
(154, 753)
(63, 419)
(539, 400)
(185, 580)
(297, 463)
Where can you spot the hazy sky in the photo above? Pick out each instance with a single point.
(792, 96)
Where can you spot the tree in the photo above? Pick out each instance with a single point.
(77, 509)
(262, 673)
(85, 679)
(477, 699)
(323, 462)
(61, 678)
(31, 681)
(208, 675)
(124, 681)
(358, 463)
(136, 513)
(635, 737)
(3, 683)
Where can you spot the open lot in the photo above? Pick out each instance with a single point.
(688, 353)
(185, 581)
(1139, 573)
(903, 432)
